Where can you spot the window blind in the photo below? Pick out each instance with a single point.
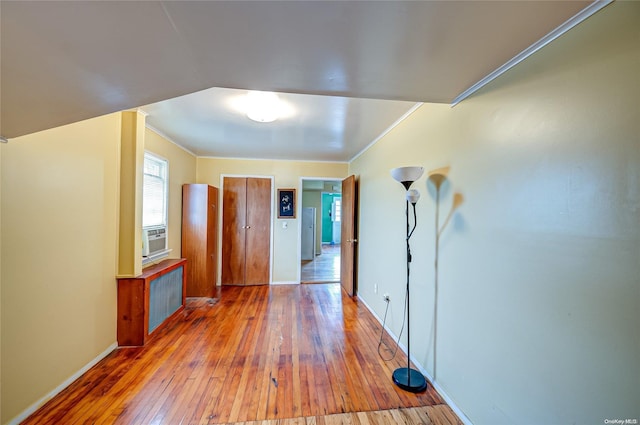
(154, 191)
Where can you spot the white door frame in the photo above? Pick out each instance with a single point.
(299, 214)
(221, 209)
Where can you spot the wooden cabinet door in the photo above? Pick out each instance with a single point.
(258, 231)
(212, 240)
(234, 207)
(199, 237)
(246, 231)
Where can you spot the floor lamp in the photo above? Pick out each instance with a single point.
(406, 378)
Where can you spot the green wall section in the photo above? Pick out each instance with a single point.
(327, 223)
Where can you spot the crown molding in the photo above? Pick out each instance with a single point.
(556, 33)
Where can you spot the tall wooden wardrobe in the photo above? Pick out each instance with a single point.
(200, 238)
(246, 231)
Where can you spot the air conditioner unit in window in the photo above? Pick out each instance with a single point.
(154, 240)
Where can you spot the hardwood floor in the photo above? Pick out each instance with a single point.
(437, 415)
(325, 268)
(259, 353)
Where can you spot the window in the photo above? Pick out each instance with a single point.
(154, 191)
(336, 206)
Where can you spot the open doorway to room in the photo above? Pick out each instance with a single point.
(320, 231)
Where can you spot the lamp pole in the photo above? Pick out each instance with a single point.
(406, 378)
(408, 303)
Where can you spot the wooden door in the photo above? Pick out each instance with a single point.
(246, 227)
(199, 238)
(258, 234)
(348, 237)
(212, 240)
(234, 206)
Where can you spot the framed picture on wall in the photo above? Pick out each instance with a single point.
(286, 203)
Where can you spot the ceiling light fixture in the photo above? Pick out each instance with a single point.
(263, 106)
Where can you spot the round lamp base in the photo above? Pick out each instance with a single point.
(409, 380)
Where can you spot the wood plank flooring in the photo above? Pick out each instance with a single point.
(324, 268)
(437, 415)
(259, 353)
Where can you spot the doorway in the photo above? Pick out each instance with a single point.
(320, 231)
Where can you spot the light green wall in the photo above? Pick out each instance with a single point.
(286, 174)
(0, 285)
(182, 170)
(538, 272)
(538, 267)
(59, 241)
(327, 220)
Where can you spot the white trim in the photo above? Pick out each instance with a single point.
(35, 406)
(286, 282)
(430, 378)
(161, 255)
(220, 221)
(138, 111)
(169, 139)
(465, 420)
(274, 159)
(556, 33)
(384, 133)
(167, 181)
(299, 214)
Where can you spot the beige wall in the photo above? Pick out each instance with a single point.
(59, 239)
(286, 174)
(538, 273)
(182, 170)
(132, 132)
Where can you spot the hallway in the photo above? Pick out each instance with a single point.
(259, 353)
(325, 268)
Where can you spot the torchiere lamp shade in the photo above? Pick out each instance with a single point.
(407, 175)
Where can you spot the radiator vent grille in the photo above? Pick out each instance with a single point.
(165, 297)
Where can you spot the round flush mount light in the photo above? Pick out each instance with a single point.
(263, 106)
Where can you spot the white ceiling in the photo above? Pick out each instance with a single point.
(350, 69)
(323, 128)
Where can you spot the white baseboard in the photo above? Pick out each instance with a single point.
(38, 404)
(286, 282)
(433, 382)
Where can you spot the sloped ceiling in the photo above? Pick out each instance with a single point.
(63, 62)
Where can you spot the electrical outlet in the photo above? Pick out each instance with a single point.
(375, 288)
(386, 297)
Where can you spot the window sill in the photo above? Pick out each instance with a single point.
(155, 257)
